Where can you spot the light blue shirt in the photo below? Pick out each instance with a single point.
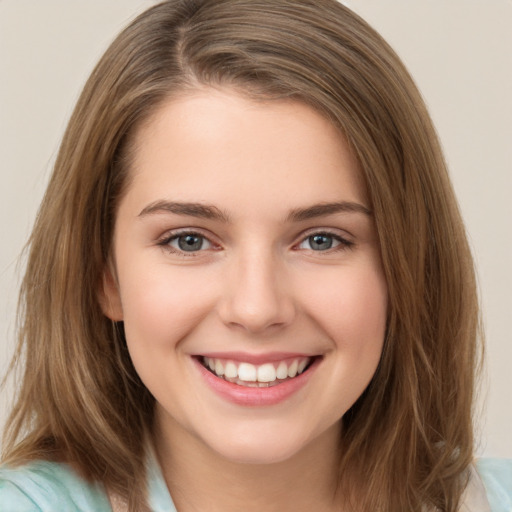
(51, 487)
(496, 475)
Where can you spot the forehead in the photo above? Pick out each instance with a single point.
(218, 146)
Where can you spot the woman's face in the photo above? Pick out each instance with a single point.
(247, 275)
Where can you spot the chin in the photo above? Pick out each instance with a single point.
(243, 451)
(258, 445)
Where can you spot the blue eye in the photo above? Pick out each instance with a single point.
(189, 242)
(322, 242)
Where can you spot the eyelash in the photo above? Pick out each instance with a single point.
(176, 235)
(343, 243)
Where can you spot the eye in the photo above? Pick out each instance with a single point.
(323, 242)
(188, 242)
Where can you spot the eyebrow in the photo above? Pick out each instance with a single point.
(319, 210)
(213, 213)
(191, 209)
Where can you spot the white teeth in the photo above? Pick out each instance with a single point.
(282, 370)
(231, 371)
(302, 365)
(266, 373)
(219, 368)
(292, 370)
(247, 372)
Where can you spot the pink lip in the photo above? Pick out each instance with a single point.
(246, 396)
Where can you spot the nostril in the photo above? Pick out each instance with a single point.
(254, 319)
(256, 299)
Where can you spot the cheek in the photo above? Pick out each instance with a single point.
(352, 308)
(162, 305)
(354, 316)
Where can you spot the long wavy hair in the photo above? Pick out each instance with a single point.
(409, 438)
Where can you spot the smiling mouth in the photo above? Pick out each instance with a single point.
(257, 376)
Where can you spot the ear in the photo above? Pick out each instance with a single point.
(109, 296)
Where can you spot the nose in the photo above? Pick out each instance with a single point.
(257, 296)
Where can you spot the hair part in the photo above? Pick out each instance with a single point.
(408, 440)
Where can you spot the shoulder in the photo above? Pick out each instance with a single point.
(47, 486)
(496, 475)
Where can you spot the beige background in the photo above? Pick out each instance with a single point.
(459, 51)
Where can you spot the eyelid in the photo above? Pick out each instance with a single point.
(164, 240)
(340, 235)
(335, 232)
(168, 236)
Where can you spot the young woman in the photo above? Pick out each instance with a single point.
(249, 285)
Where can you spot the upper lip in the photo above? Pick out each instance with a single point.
(254, 358)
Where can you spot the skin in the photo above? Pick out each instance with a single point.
(257, 286)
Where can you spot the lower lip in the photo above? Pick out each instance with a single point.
(242, 395)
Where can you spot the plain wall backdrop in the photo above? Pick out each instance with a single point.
(459, 52)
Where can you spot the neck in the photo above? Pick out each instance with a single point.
(200, 479)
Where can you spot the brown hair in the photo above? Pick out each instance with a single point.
(409, 436)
